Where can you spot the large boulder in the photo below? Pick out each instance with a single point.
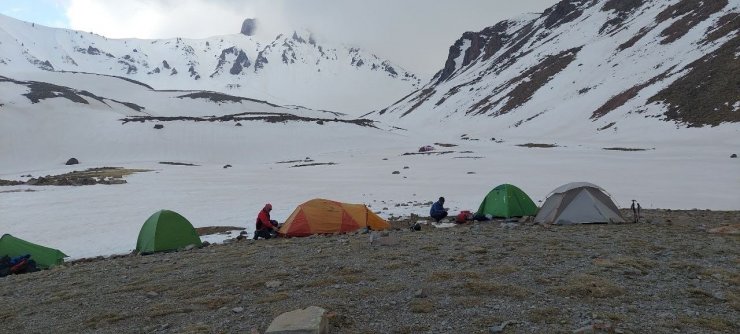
(311, 320)
(72, 161)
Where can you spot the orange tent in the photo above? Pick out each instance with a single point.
(319, 216)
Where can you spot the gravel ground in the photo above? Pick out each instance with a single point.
(665, 275)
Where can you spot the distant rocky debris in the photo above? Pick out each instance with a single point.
(733, 156)
(249, 27)
(91, 176)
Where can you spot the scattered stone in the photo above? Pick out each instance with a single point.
(158, 126)
(406, 167)
(733, 156)
(420, 293)
(273, 284)
(238, 124)
(152, 294)
(500, 328)
(189, 247)
(396, 172)
(72, 161)
(237, 309)
(309, 320)
(227, 166)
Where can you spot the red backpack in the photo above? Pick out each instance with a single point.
(463, 217)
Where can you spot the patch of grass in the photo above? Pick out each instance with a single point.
(469, 301)
(701, 296)
(213, 303)
(626, 262)
(394, 266)
(323, 282)
(273, 297)
(63, 295)
(496, 289)
(421, 306)
(548, 315)
(503, 269)
(197, 328)
(734, 300)
(709, 322)
(485, 321)
(430, 248)
(163, 309)
(589, 286)
(440, 276)
(412, 329)
(7, 315)
(105, 319)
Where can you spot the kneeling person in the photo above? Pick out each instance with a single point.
(265, 227)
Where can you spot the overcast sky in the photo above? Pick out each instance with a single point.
(415, 34)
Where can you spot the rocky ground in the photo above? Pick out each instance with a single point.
(668, 274)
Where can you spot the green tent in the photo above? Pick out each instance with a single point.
(44, 257)
(164, 231)
(507, 201)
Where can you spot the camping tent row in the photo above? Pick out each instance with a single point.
(165, 230)
(572, 203)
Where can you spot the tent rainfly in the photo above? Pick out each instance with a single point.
(323, 216)
(579, 203)
(164, 231)
(506, 201)
(44, 257)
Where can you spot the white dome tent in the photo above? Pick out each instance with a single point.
(578, 203)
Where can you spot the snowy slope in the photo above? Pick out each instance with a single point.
(290, 69)
(610, 69)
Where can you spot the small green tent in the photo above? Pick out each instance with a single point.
(166, 230)
(44, 257)
(507, 201)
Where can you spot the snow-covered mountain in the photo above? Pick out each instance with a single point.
(590, 68)
(291, 69)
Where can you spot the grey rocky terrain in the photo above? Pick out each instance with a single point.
(667, 274)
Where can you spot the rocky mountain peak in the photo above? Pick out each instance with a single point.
(249, 27)
(603, 63)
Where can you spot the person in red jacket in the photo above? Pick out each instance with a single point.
(264, 226)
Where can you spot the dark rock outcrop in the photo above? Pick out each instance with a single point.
(72, 161)
(249, 27)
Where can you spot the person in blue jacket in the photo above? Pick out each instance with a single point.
(438, 211)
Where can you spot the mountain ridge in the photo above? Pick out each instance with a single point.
(614, 61)
(289, 69)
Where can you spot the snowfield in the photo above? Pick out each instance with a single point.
(105, 219)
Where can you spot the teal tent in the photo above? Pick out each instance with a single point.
(164, 231)
(507, 201)
(44, 257)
